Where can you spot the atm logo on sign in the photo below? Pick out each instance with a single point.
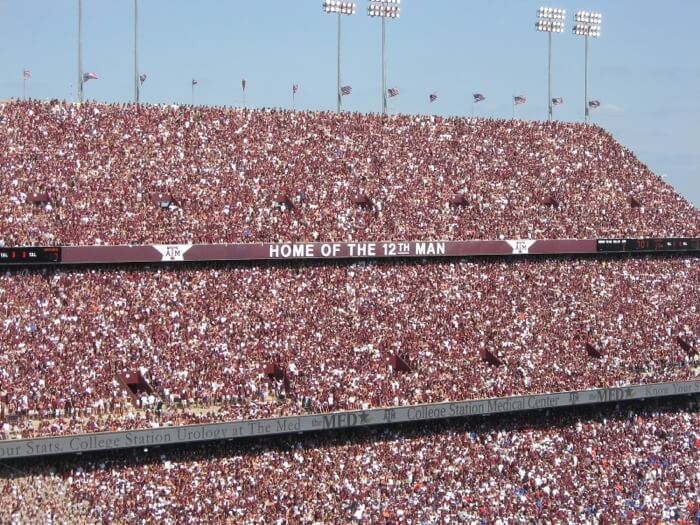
(521, 246)
(172, 252)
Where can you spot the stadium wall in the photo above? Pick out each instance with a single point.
(103, 441)
(336, 250)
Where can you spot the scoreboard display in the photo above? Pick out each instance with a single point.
(664, 244)
(30, 255)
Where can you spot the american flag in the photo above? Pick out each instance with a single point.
(27, 74)
(478, 97)
(244, 82)
(143, 77)
(295, 88)
(346, 90)
(593, 104)
(194, 82)
(433, 97)
(519, 99)
(89, 76)
(393, 92)
(557, 101)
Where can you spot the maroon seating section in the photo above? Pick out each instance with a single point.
(225, 171)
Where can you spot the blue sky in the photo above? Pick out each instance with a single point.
(644, 68)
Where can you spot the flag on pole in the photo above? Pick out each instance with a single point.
(558, 101)
(519, 99)
(346, 90)
(478, 97)
(593, 104)
(295, 88)
(27, 74)
(433, 97)
(194, 82)
(393, 92)
(89, 76)
(243, 84)
(143, 77)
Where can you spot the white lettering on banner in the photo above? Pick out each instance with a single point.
(521, 246)
(430, 248)
(10, 449)
(356, 249)
(295, 251)
(172, 252)
(333, 250)
(365, 249)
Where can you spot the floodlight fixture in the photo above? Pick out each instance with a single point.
(384, 8)
(342, 8)
(588, 24)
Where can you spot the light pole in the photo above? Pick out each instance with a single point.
(136, 51)
(587, 24)
(341, 8)
(550, 20)
(80, 50)
(384, 9)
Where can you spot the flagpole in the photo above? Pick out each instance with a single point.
(549, 75)
(80, 50)
(136, 51)
(513, 117)
(383, 66)
(192, 93)
(472, 106)
(585, 89)
(24, 87)
(339, 101)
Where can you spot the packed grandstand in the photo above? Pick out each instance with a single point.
(218, 342)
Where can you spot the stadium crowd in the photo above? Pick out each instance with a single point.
(202, 336)
(89, 174)
(628, 465)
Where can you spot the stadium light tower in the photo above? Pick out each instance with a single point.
(384, 9)
(341, 8)
(587, 24)
(550, 20)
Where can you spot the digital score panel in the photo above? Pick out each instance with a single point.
(30, 255)
(665, 244)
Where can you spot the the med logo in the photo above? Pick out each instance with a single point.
(521, 246)
(172, 252)
(346, 419)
